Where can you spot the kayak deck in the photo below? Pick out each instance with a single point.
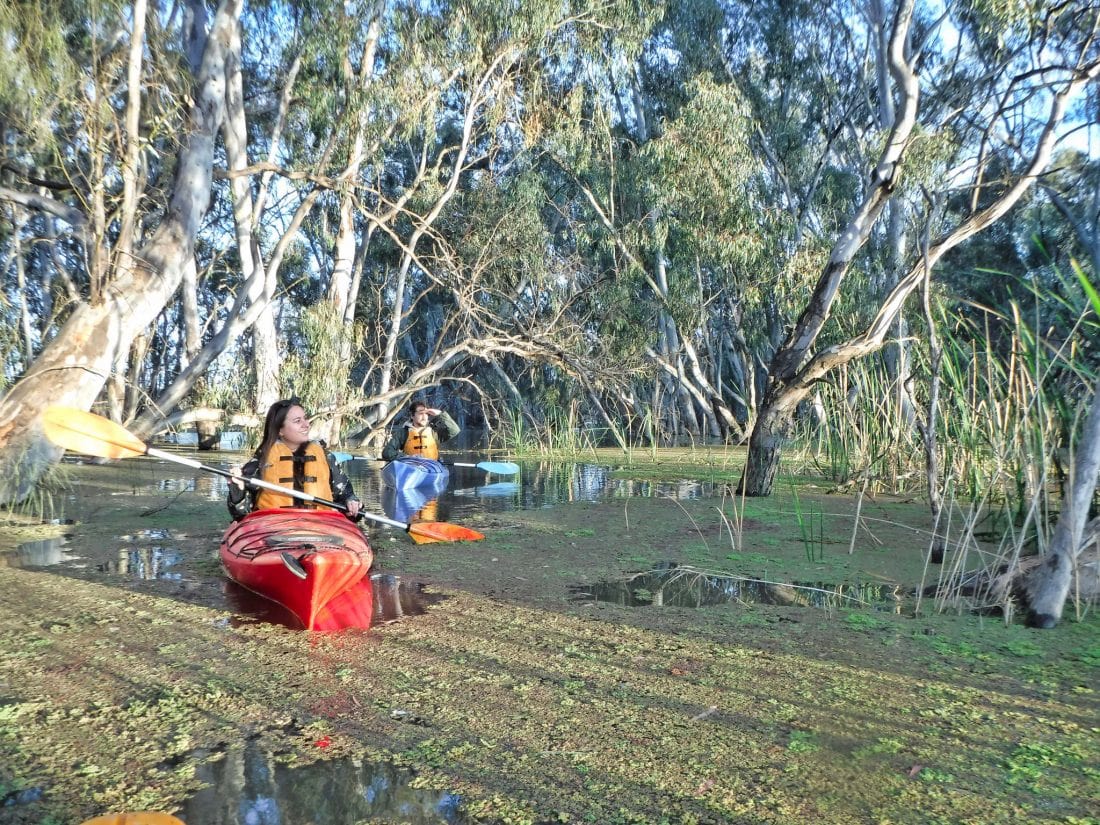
(299, 558)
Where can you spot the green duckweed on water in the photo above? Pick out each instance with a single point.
(537, 707)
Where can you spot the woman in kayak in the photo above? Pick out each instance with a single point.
(288, 458)
(422, 434)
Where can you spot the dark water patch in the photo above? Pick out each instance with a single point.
(672, 585)
(395, 598)
(42, 553)
(250, 608)
(248, 786)
(144, 563)
(21, 797)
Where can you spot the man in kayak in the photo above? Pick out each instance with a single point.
(288, 458)
(422, 434)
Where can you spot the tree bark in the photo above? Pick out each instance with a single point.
(787, 384)
(1049, 584)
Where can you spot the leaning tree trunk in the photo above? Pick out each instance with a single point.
(74, 367)
(795, 367)
(1049, 584)
(788, 380)
(770, 433)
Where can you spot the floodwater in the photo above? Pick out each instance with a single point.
(248, 786)
(672, 585)
(151, 553)
(469, 490)
(245, 785)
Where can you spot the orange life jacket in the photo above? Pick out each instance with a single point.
(422, 441)
(305, 470)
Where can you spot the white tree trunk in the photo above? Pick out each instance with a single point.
(1049, 584)
(74, 367)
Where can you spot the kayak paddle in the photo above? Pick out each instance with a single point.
(91, 434)
(501, 468)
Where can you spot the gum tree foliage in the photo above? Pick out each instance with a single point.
(672, 218)
(651, 168)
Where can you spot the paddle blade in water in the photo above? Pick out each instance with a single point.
(501, 468)
(89, 434)
(425, 532)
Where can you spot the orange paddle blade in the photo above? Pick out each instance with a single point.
(425, 532)
(90, 434)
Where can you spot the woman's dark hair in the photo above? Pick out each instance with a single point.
(276, 417)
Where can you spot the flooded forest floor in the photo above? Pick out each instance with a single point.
(528, 702)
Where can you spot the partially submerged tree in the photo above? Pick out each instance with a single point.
(1048, 62)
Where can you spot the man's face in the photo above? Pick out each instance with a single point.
(420, 416)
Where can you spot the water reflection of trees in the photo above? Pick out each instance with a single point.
(556, 483)
(249, 785)
(41, 553)
(145, 563)
(672, 585)
(539, 485)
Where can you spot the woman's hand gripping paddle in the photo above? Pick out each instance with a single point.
(91, 434)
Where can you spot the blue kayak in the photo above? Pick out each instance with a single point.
(415, 471)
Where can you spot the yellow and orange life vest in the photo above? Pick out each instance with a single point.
(422, 441)
(305, 470)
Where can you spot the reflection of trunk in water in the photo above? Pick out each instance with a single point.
(394, 599)
(670, 584)
(250, 785)
(146, 563)
(387, 598)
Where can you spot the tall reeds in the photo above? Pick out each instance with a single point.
(1014, 384)
(45, 501)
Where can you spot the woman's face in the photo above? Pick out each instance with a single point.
(295, 429)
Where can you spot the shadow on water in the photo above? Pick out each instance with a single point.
(250, 787)
(672, 585)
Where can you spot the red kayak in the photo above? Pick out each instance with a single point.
(303, 559)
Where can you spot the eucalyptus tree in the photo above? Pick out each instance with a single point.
(649, 155)
(295, 133)
(129, 178)
(998, 96)
(1073, 189)
(465, 83)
